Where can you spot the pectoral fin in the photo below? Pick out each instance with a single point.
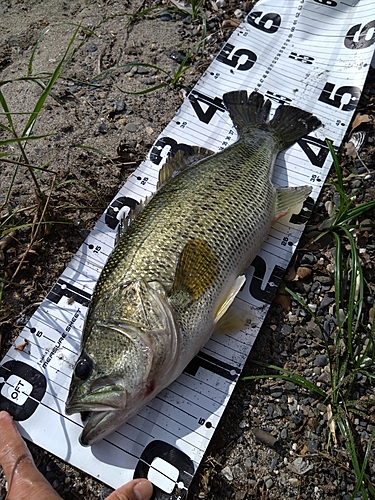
(196, 269)
(236, 287)
(288, 198)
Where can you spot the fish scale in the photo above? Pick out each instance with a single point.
(171, 279)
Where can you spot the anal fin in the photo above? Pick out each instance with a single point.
(288, 198)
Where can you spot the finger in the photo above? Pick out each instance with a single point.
(24, 480)
(138, 489)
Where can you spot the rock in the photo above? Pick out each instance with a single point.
(165, 16)
(131, 127)
(313, 328)
(326, 301)
(248, 463)
(119, 106)
(276, 392)
(177, 56)
(321, 360)
(286, 330)
(303, 273)
(312, 446)
(227, 473)
(142, 70)
(91, 47)
(284, 433)
(300, 466)
(264, 437)
(308, 259)
(325, 280)
(268, 482)
(325, 378)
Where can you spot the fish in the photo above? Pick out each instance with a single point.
(179, 264)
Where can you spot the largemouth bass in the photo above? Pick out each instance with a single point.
(177, 268)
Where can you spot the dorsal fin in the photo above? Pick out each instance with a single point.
(128, 219)
(180, 161)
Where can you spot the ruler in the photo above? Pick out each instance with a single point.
(313, 54)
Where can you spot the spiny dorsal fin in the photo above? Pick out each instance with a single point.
(180, 161)
(128, 219)
(196, 270)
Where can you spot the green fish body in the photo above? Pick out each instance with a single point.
(178, 266)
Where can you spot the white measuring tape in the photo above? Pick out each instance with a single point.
(313, 54)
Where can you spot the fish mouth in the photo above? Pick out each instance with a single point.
(97, 425)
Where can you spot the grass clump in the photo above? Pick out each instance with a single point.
(350, 347)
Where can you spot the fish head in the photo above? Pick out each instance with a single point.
(124, 363)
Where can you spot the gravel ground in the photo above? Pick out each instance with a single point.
(273, 441)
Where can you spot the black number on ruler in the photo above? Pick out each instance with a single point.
(225, 56)
(22, 387)
(267, 293)
(305, 212)
(301, 58)
(214, 105)
(361, 34)
(269, 23)
(172, 145)
(277, 97)
(315, 149)
(330, 3)
(64, 289)
(171, 456)
(113, 210)
(203, 360)
(335, 97)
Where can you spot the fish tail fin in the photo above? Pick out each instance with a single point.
(246, 111)
(288, 125)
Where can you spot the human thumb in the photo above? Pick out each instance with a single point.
(138, 489)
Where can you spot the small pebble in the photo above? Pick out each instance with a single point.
(326, 301)
(227, 473)
(91, 47)
(276, 392)
(119, 106)
(165, 16)
(131, 127)
(142, 70)
(325, 280)
(284, 433)
(268, 483)
(321, 360)
(308, 258)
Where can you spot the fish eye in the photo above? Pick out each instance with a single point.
(83, 368)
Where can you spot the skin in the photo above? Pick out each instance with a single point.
(24, 480)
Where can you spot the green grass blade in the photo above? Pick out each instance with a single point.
(46, 92)
(4, 142)
(286, 375)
